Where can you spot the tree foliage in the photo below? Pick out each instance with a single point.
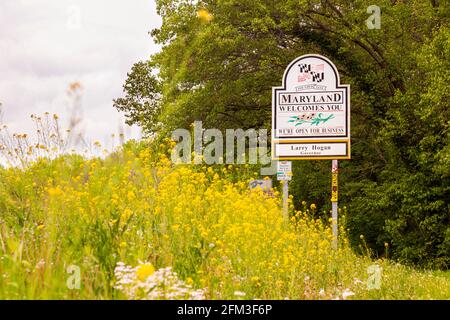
(219, 67)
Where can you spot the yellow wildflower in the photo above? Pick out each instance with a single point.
(204, 15)
(55, 191)
(144, 271)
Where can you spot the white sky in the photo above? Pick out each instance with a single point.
(47, 44)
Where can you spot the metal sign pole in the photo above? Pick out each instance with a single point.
(334, 201)
(284, 173)
(285, 200)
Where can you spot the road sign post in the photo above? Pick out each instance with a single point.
(284, 173)
(334, 201)
(311, 118)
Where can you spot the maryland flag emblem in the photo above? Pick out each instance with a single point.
(315, 73)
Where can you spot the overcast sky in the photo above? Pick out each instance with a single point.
(47, 44)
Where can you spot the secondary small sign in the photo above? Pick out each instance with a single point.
(311, 112)
(284, 170)
(265, 185)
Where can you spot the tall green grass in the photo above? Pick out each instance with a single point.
(135, 207)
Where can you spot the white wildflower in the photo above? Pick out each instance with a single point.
(239, 278)
(347, 293)
(239, 294)
(162, 284)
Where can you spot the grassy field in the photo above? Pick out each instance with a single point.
(133, 226)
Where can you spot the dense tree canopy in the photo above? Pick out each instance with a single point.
(219, 60)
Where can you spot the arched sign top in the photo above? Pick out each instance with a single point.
(311, 112)
(310, 71)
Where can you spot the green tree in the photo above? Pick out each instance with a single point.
(219, 60)
(141, 102)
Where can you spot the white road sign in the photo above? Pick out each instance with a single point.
(311, 112)
(284, 170)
